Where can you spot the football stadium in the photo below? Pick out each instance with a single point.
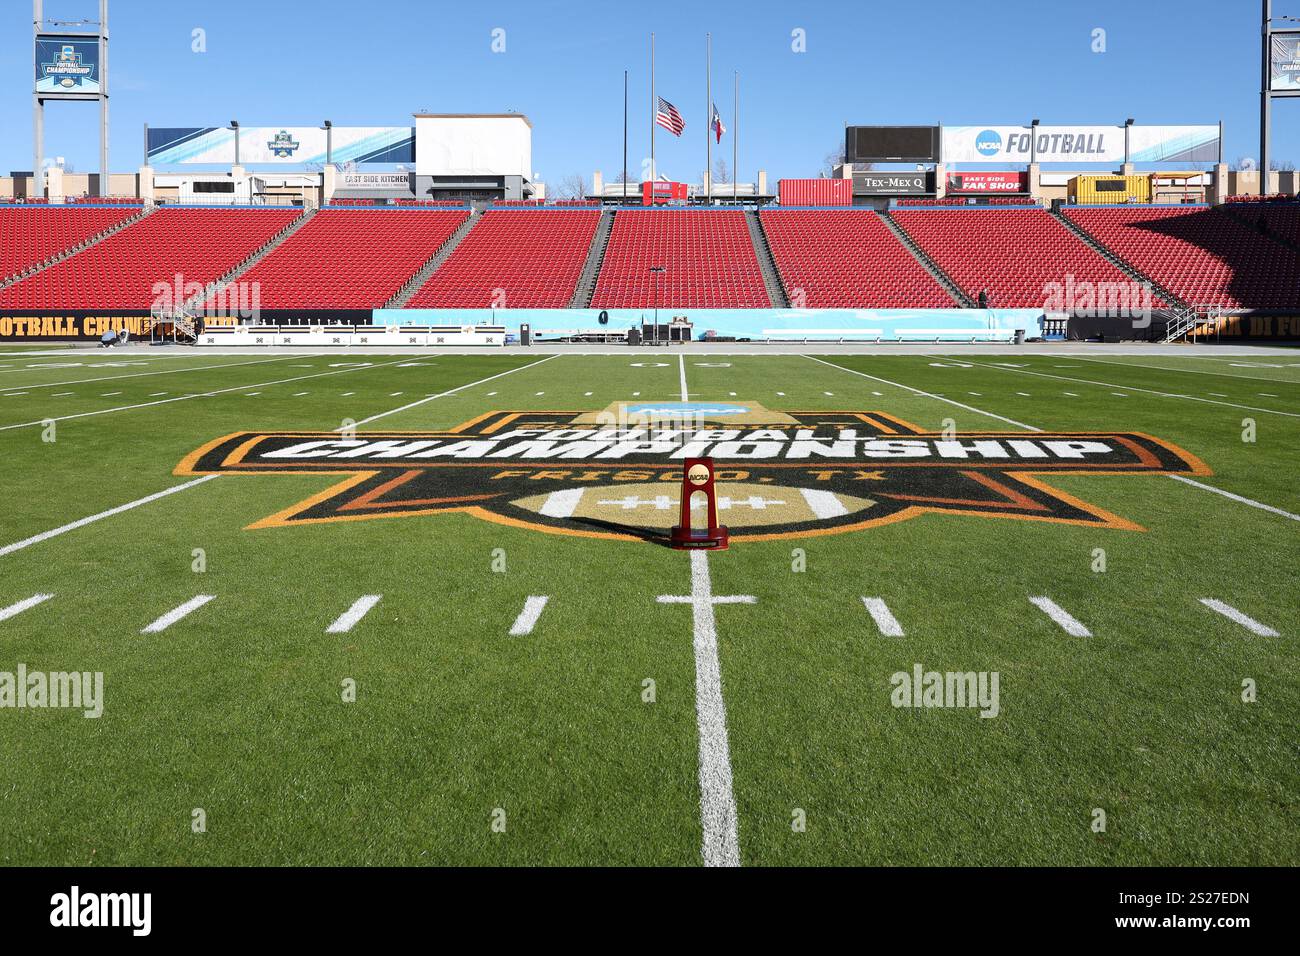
(374, 499)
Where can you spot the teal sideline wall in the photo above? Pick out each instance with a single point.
(956, 324)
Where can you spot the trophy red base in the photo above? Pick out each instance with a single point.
(697, 478)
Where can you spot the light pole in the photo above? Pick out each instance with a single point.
(657, 272)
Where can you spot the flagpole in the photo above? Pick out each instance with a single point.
(653, 108)
(708, 125)
(735, 146)
(623, 189)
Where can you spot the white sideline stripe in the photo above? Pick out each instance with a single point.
(183, 398)
(174, 615)
(1228, 494)
(13, 610)
(884, 618)
(562, 504)
(917, 391)
(349, 618)
(1061, 616)
(719, 846)
(1232, 614)
(681, 369)
(1189, 371)
(527, 618)
(453, 391)
(1132, 388)
(82, 522)
(824, 504)
(170, 371)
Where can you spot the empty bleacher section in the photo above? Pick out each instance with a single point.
(197, 244)
(707, 257)
(1013, 254)
(1279, 219)
(514, 258)
(1202, 255)
(351, 258)
(34, 234)
(847, 258)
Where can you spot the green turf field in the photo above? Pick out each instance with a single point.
(467, 744)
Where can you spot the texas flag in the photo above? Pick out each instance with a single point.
(716, 123)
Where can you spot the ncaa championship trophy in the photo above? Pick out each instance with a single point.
(698, 479)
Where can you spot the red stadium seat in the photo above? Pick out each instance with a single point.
(707, 256)
(514, 258)
(198, 245)
(33, 234)
(847, 258)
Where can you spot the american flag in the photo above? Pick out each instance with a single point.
(669, 118)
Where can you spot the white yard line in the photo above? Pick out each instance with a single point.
(171, 371)
(720, 846)
(1189, 371)
(884, 618)
(175, 614)
(1131, 388)
(917, 391)
(681, 368)
(527, 618)
(459, 388)
(1067, 622)
(185, 398)
(349, 618)
(1232, 614)
(81, 523)
(1238, 498)
(15, 609)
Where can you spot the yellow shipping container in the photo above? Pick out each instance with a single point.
(1110, 190)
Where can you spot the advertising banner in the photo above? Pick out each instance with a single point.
(67, 66)
(280, 145)
(1284, 64)
(658, 192)
(891, 184)
(386, 182)
(1080, 144)
(978, 184)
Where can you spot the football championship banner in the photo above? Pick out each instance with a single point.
(67, 66)
(280, 145)
(1284, 64)
(1080, 144)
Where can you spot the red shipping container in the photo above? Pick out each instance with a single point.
(815, 192)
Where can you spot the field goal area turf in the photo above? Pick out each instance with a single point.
(1028, 608)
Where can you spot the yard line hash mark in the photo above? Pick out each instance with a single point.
(527, 618)
(1232, 614)
(350, 618)
(176, 614)
(717, 798)
(1062, 617)
(25, 605)
(884, 618)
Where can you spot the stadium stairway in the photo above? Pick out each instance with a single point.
(417, 281)
(949, 286)
(72, 250)
(196, 302)
(766, 262)
(1160, 291)
(595, 256)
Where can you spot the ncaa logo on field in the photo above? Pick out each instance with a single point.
(778, 474)
(988, 143)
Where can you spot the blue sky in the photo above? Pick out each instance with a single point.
(293, 62)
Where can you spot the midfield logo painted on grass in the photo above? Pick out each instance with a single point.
(794, 475)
